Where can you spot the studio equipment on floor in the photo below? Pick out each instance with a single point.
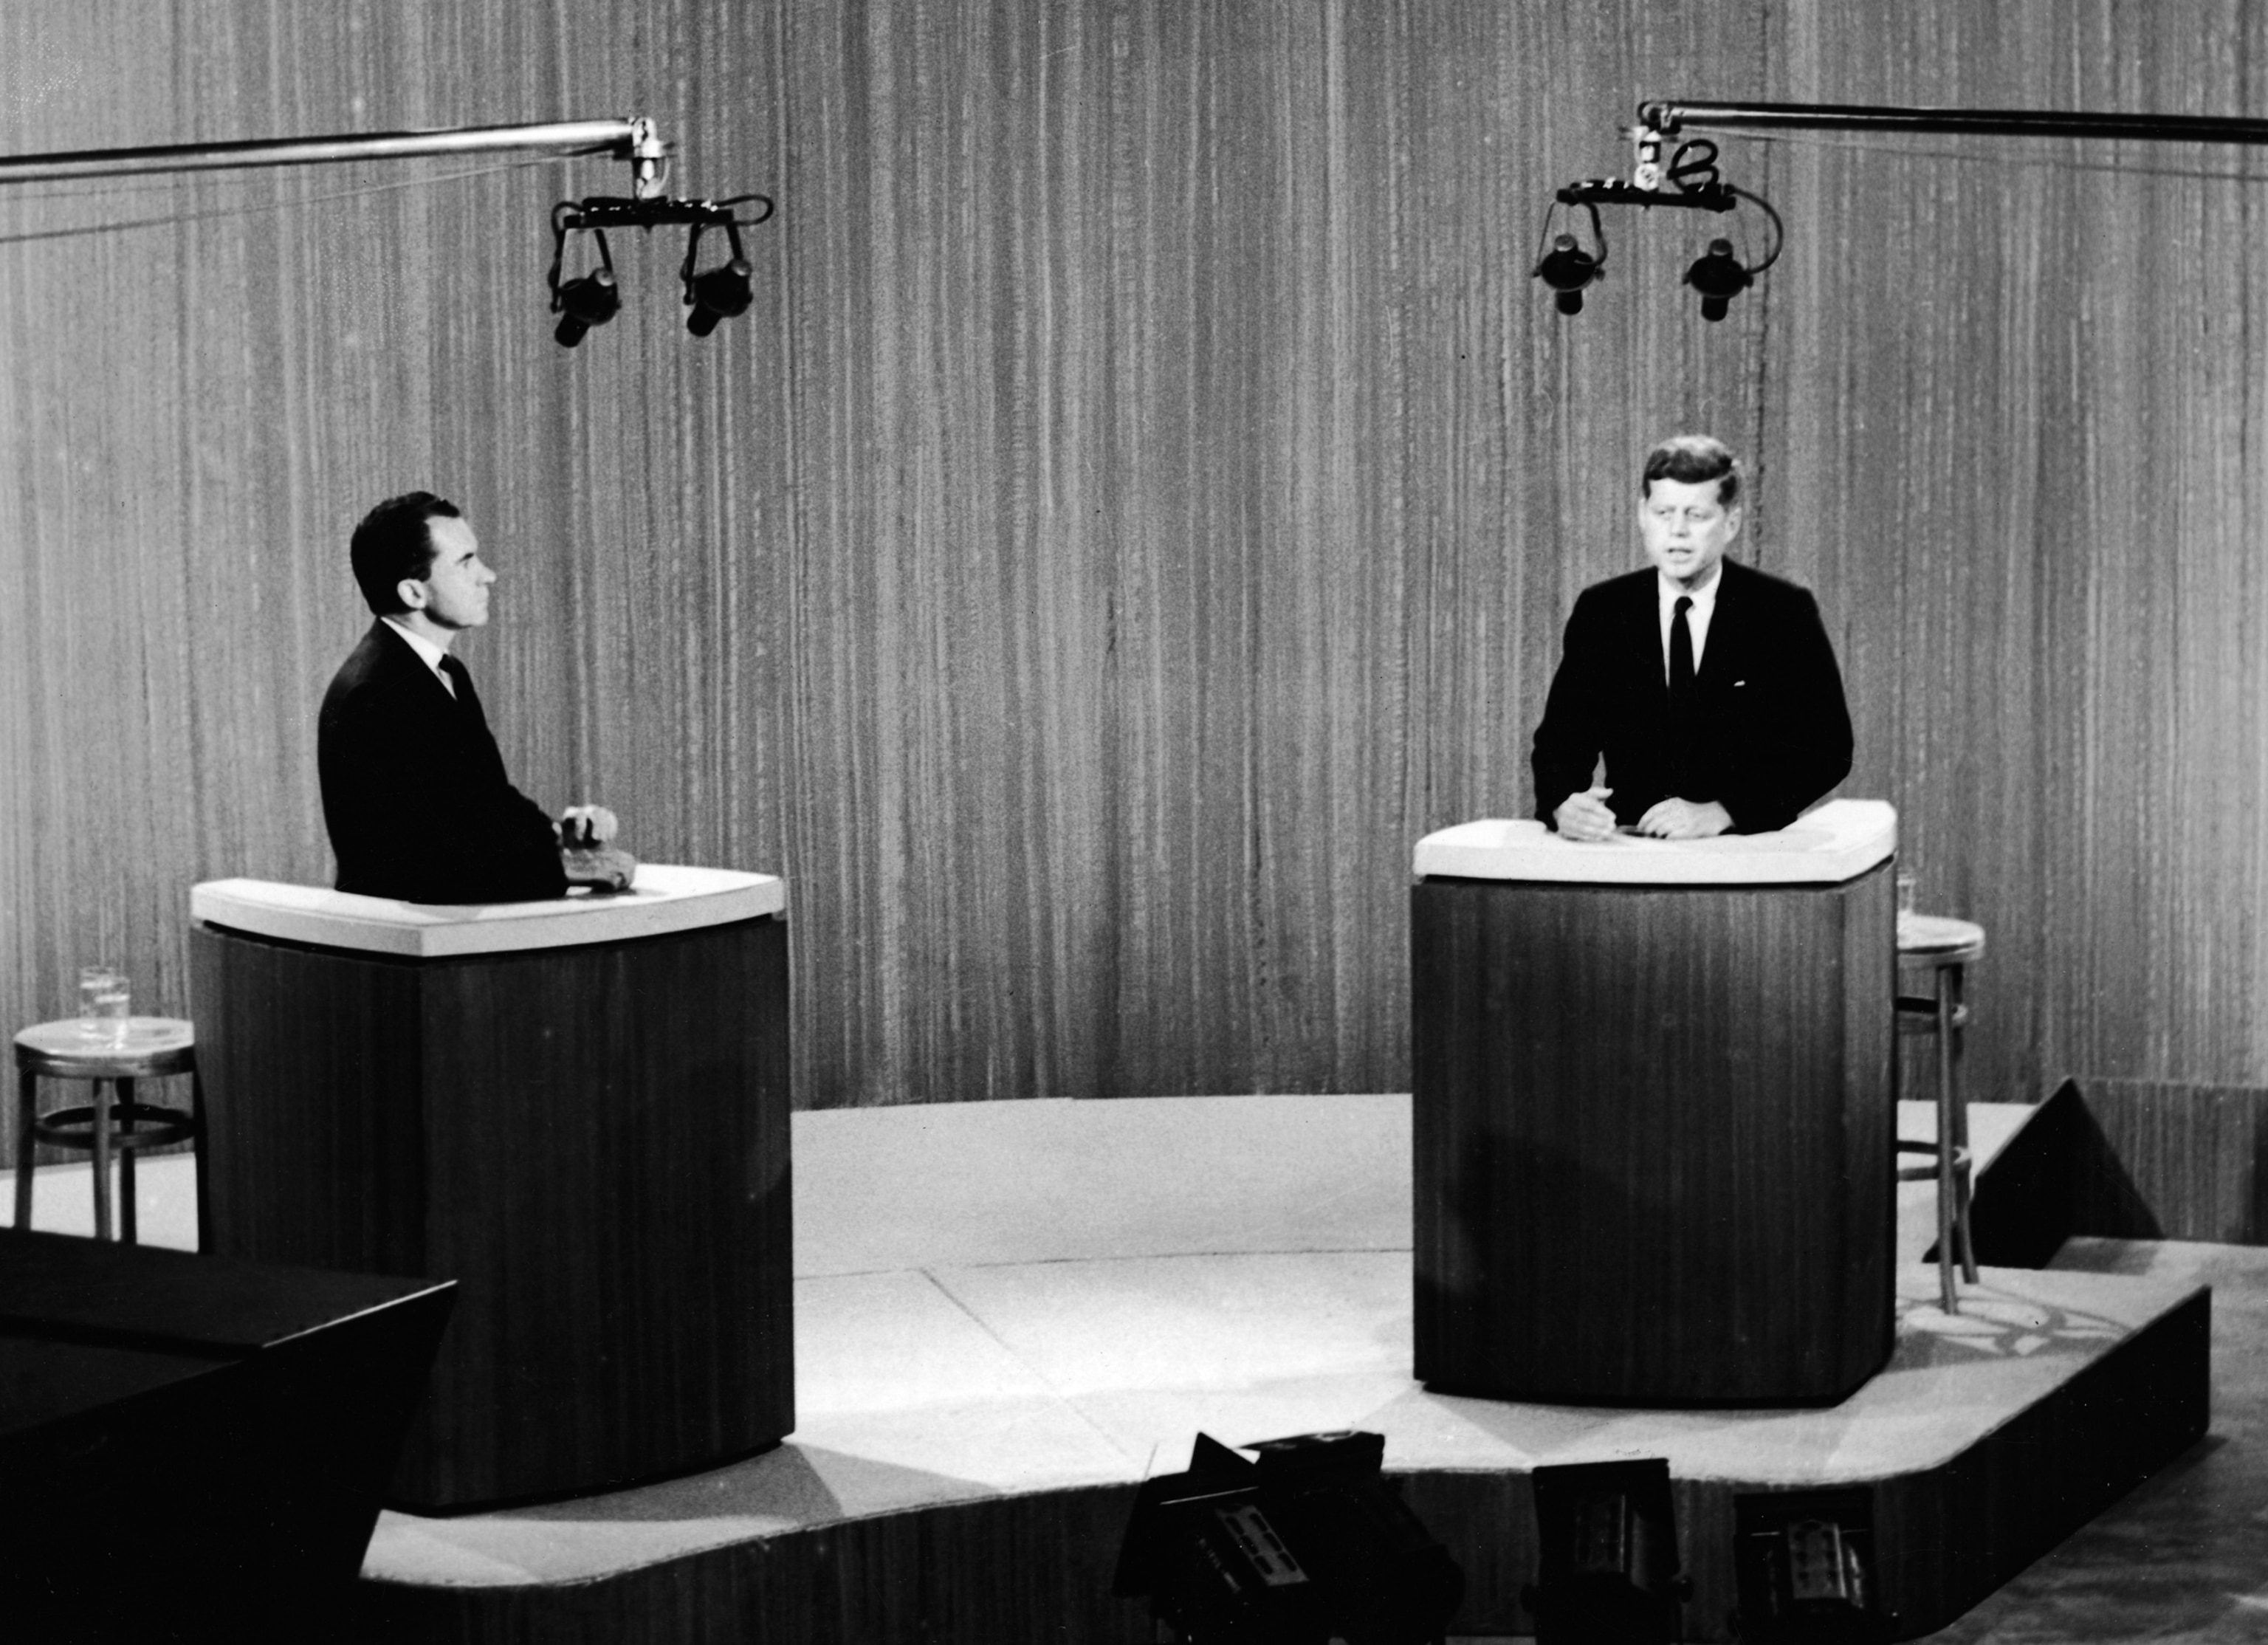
(1805, 1561)
(193, 1448)
(1301, 1541)
(1607, 1567)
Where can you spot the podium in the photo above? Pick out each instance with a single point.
(575, 1109)
(1655, 1112)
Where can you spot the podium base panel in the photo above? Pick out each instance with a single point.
(592, 1142)
(1653, 1134)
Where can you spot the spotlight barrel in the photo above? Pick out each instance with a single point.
(1567, 270)
(591, 301)
(721, 294)
(1718, 275)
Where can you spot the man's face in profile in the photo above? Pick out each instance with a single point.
(1686, 529)
(456, 588)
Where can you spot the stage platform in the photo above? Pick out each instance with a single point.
(1008, 1314)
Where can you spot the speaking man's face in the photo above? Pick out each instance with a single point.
(456, 588)
(1686, 529)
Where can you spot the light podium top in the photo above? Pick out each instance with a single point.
(664, 899)
(1840, 841)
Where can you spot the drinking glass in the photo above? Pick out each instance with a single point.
(103, 999)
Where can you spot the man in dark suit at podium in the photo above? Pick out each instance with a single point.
(414, 793)
(1709, 687)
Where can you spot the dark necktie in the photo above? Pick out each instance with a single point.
(1681, 695)
(461, 683)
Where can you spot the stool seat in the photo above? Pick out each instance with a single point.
(152, 1046)
(1938, 940)
(113, 1126)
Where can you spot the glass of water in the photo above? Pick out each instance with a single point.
(103, 1001)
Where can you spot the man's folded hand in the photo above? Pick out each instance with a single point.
(1585, 815)
(602, 867)
(1685, 819)
(586, 827)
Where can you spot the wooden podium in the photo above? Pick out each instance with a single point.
(1655, 1112)
(575, 1109)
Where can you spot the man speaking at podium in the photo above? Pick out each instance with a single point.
(1709, 687)
(414, 793)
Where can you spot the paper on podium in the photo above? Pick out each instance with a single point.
(1840, 841)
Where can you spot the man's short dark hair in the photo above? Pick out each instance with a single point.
(1690, 459)
(394, 542)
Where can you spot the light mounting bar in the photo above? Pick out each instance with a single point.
(592, 300)
(1692, 184)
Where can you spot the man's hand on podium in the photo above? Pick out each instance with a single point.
(1585, 815)
(585, 854)
(1684, 819)
(586, 827)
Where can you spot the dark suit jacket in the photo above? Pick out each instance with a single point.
(1771, 735)
(414, 790)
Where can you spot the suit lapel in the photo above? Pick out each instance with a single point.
(1645, 619)
(1721, 656)
(466, 699)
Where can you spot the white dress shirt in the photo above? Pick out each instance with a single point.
(1705, 607)
(432, 654)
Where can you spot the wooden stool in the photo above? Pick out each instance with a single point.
(153, 1047)
(1945, 945)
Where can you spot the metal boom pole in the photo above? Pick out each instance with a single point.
(1670, 116)
(632, 139)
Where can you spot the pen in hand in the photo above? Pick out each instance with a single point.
(1586, 816)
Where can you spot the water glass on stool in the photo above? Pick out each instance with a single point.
(103, 999)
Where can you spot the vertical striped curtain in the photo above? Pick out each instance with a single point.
(1145, 493)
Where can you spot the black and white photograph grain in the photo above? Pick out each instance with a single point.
(1134, 822)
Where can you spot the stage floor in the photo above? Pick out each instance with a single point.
(995, 1300)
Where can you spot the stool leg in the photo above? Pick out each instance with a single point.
(1957, 1111)
(27, 1111)
(102, 1159)
(127, 1230)
(197, 1161)
(1945, 1172)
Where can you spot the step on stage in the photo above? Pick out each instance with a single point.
(1007, 1314)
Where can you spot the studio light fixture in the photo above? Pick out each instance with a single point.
(588, 300)
(716, 295)
(1606, 1570)
(1567, 267)
(1690, 180)
(1805, 1564)
(1301, 1541)
(722, 293)
(1719, 276)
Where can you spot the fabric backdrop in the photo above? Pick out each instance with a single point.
(1145, 493)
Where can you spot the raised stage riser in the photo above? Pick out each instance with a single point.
(1039, 1566)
